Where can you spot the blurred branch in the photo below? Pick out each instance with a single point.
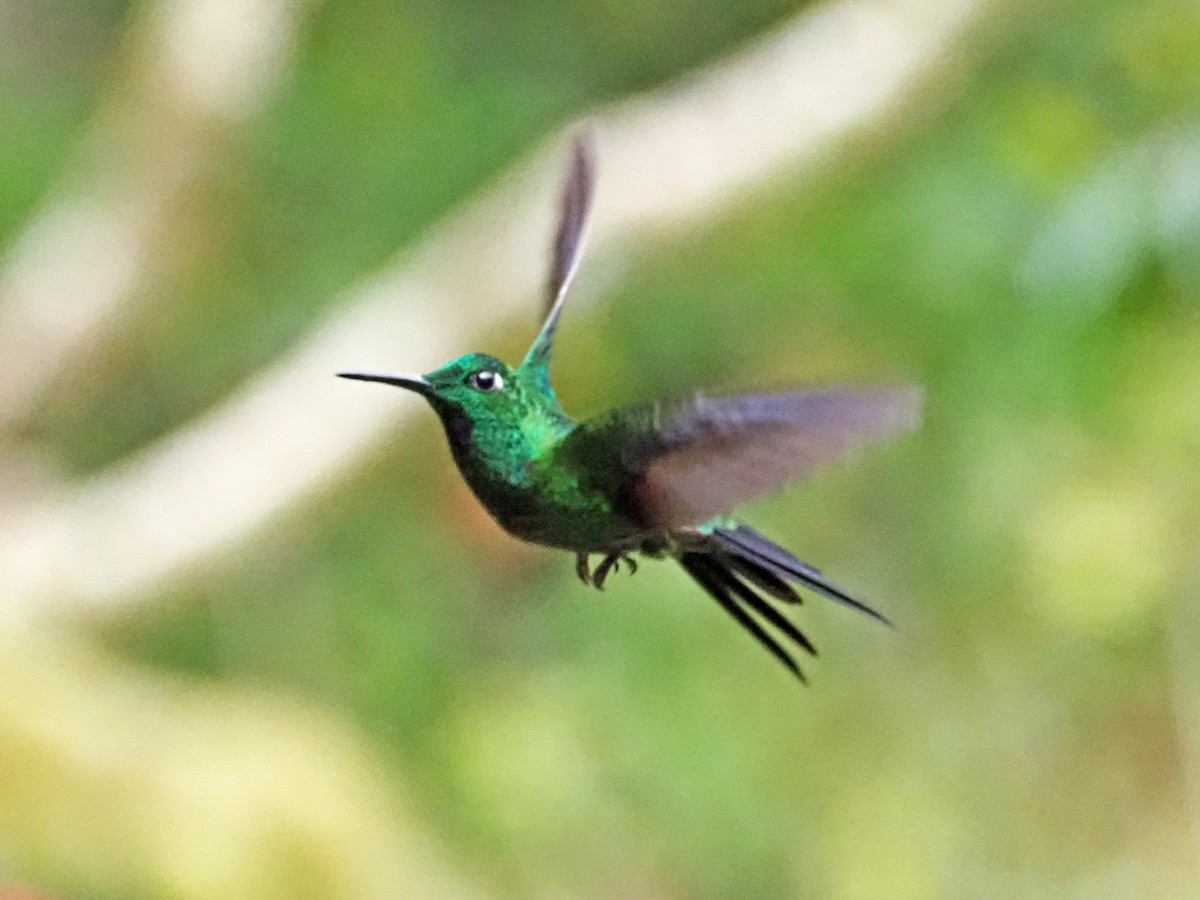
(201, 67)
(158, 789)
(822, 81)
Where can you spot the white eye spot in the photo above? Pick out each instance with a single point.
(486, 381)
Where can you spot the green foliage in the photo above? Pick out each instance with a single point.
(1028, 255)
(396, 111)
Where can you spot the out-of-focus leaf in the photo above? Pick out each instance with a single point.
(1142, 204)
(1087, 251)
(139, 785)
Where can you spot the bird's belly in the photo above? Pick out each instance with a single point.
(575, 522)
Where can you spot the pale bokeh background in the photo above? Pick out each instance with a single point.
(256, 640)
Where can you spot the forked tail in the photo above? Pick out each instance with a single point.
(738, 561)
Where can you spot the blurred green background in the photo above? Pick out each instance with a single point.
(382, 695)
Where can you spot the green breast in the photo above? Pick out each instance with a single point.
(535, 492)
(545, 502)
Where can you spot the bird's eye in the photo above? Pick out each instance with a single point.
(486, 381)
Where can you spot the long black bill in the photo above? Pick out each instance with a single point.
(418, 383)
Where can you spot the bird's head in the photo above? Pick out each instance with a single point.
(475, 392)
(486, 404)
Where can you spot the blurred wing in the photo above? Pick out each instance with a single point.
(569, 238)
(699, 459)
(573, 212)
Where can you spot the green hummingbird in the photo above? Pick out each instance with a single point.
(654, 478)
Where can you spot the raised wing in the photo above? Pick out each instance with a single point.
(569, 238)
(684, 463)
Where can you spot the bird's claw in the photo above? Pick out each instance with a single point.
(582, 569)
(611, 563)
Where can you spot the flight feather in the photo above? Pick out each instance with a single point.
(686, 462)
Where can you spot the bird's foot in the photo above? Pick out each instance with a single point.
(582, 568)
(611, 563)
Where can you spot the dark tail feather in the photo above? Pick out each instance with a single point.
(723, 585)
(746, 546)
(764, 609)
(764, 578)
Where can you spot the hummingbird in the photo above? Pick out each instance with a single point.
(658, 479)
